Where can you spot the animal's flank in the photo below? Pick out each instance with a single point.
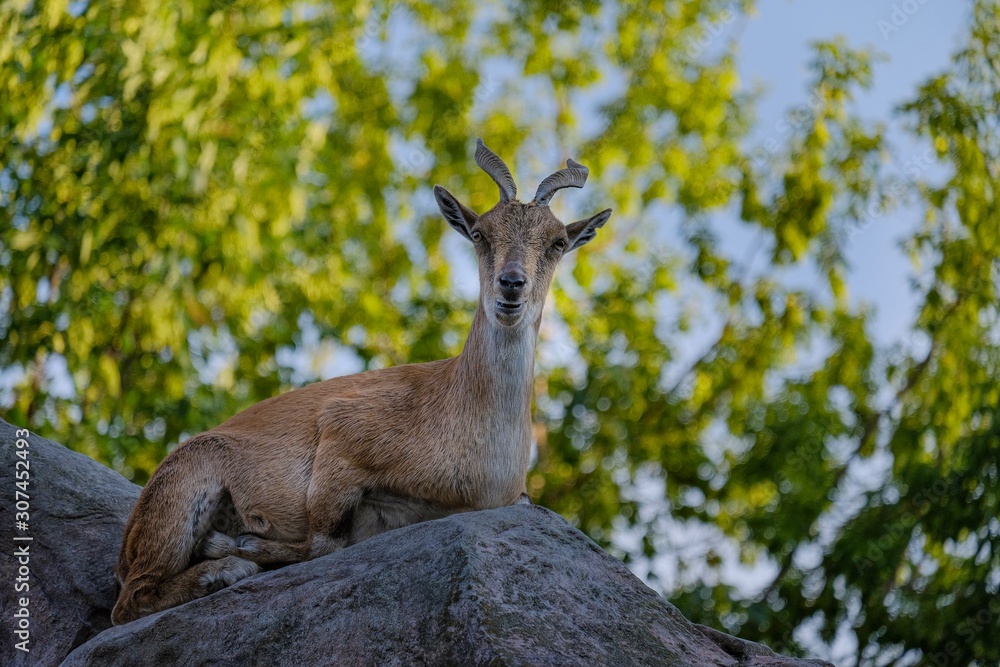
(314, 470)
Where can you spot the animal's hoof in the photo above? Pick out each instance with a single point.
(236, 569)
(228, 571)
(217, 545)
(247, 544)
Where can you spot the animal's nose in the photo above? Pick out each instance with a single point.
(513, 278)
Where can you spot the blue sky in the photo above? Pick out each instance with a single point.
(918, 37)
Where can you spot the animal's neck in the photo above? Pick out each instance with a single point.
(496, 367)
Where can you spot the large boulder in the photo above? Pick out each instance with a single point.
(76, 512)
(514, 586)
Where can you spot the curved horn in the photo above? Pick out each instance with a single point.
(491, 163)
(573, 176)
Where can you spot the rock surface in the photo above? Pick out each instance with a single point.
(514, 586)
(77, 511)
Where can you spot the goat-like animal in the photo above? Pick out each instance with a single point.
(311, 471)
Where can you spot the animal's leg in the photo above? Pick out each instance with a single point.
(197, 581)
(335, 491)
(174, 512)
(269, 552)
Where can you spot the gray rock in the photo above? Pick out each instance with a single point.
(514, 586)
(77, 512)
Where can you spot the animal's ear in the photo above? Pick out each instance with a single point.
(582, 231)
(458, 216)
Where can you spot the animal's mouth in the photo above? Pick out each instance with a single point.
(508, 313)
(509, 307)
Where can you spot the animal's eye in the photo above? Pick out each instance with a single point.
(476, 235)
(559, 245)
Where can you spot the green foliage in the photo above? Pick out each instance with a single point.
(192, 191)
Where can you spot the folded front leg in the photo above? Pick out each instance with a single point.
(335, 492)
(271, 552)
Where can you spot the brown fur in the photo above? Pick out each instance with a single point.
(316, 469)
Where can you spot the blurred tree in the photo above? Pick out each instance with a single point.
(908, 562)
(206, 203)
